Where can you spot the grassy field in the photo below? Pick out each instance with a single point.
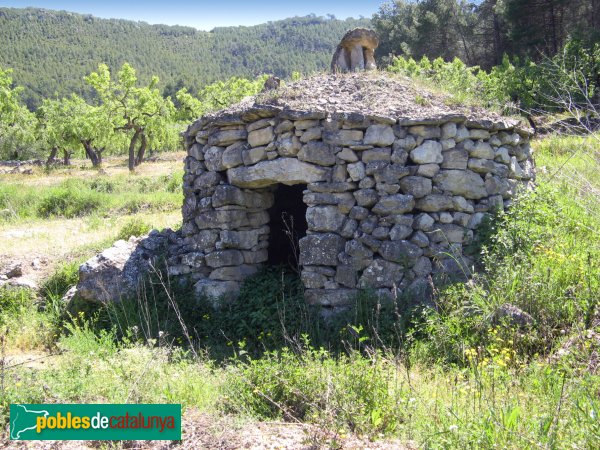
(70, 213)
(382, 376)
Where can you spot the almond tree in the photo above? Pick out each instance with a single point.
(138, 112)
(70, 122)
(215, 96)
(9, 97)
(16, 121)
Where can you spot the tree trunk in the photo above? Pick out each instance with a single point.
(461, 31)
(595, 16)
(141, 150)
(498, 41)
(91, 153)
(134, 139)
(52, 156)
(99, 154)
(66, 157)
(553, 31)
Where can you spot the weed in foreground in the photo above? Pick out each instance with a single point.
(133, 227)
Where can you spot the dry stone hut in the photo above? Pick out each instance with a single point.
(364, 179)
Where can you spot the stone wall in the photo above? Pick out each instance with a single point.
(390, 201)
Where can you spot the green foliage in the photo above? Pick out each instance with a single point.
(172, 183)
(480, 33)
(483, 405)
(68, 201)
(69, 123)
(541, 256)
(215, 96)
(93, 365)
(62, 279)
(134, 227)
(221, 94)
(350, 392)
(9, 97)
(141, 113)
(13, 300)
(512, 86)
(16, 122)
(270, 310)
(23, 325)
(98, 195)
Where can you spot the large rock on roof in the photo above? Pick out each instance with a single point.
(355, 51)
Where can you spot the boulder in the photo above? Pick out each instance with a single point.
(258, 138)
(455, 159)
(330, 297)
(12, 270)
(117, 272)
(108, 276)
(394, 204)
(223, 258)
(356, 51)
(288, 146)
(317, 153)
(512, 315)
(434, 203)
(377, 154)
(324, 218)
(381, 273)
(231, 195)
(482, 150)
(402, 252)
(416, 186)
(356, 171)
(213, 159)
(227, 137)
(343, 138)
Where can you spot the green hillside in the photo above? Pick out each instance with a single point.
(51, 51)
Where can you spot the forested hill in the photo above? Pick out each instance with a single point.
(51, 51)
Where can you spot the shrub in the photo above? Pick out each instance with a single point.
(22, 323)
(269, 310)
(63, 278)
(540, 260)
(12, 301)
(173, 182)
(348, 392)
(134, 227)
(68, 201)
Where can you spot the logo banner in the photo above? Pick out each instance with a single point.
(95, 422)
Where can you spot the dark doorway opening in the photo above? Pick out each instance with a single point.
(287, 225)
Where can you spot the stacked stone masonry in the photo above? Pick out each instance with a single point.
(390, 201)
